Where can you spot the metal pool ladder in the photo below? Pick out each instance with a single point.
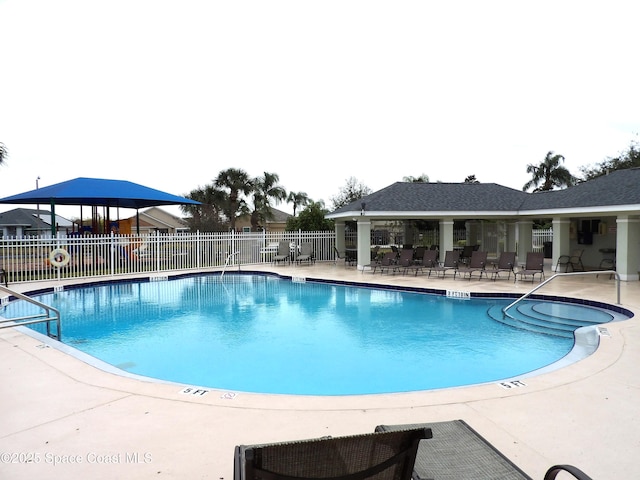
(227, 263)
(596, 272)
(49, 315)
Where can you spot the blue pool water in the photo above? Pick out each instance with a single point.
(260, 333)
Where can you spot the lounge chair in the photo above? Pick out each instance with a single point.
(306, 253)
(533, 266)
(506, 263)
(284, 252)
(451, 260)
(404, 261)
(458, 451)
(477, 263)
(388, 262)
(383, 455)
(428, 261)
(573, 261)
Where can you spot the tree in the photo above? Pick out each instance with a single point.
(299, 199)
(627, 159)
(4, 153)
(471, 179)
(424, 178)
(311, 219)
(236, 182)
(265, 190)
(352, 191)
(549, 174)
(208, 217)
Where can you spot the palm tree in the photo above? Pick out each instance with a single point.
(549, 174)
(299, 199)
(208, 217)
(4, 153)
(238, 182)
(265, 190)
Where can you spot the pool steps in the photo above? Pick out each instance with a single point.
(526, 317)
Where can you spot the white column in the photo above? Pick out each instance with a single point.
(628, 247)
(446, 236)
(561, 239)
(364, 243)
(524, 241)
(340, 229)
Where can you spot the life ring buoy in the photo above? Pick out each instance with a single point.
(59, 257)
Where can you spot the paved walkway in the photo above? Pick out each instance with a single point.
(63, 418)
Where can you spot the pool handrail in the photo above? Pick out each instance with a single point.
(51, 315)
(227, 262)
(597, 272)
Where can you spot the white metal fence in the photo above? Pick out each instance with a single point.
(540, 237)
(30, 259)
(33, 259)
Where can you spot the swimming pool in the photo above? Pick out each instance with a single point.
(262, 333)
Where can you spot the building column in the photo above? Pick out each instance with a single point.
(446, 236)
(561, 238)
(524, 233)
(628, 247)
(364, 243)
(511, 240)
(340, 228)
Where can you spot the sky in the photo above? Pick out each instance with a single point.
(169, 93)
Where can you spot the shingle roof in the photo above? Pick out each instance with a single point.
(621, 187)
(31, 218)
(448, 197)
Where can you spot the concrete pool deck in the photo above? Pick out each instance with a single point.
(73, 420)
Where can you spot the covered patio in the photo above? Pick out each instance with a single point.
(601, 217)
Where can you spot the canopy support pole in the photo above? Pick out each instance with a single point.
(53, 218)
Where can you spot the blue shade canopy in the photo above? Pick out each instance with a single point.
(99, 192)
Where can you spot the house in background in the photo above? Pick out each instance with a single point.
(277, 224)
(25, 222)
(150, 221)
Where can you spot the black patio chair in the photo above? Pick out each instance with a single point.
(382, 455)
(458, 451)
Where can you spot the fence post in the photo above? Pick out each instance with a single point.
(157, 242)
(112, 254)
